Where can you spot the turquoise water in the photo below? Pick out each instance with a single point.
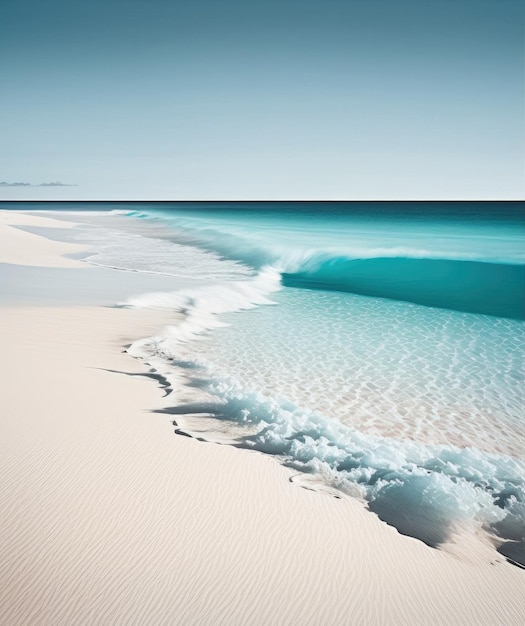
(382, 366)
(379, 348)
(476, 264)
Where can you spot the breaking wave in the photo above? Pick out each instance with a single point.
(453, 273)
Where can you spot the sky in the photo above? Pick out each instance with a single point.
(253, 99)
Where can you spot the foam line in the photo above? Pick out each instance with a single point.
(427, 492)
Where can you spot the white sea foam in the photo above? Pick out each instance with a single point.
(124, 250)
(202, 305)
(430, 488)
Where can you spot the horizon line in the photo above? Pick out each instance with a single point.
(76, 200)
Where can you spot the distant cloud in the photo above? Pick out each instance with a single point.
(56, 184)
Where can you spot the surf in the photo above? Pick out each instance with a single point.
(478, 268)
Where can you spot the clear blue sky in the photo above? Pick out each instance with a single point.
(335, 99)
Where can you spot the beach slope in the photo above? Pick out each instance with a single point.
(108, 517)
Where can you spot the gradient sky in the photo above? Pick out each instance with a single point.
(273, 99)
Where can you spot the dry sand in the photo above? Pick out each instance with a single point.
(20, 247)
(110, 518)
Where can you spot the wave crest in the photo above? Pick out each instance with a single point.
(459, 277)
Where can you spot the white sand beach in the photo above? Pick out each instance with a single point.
(108, 517)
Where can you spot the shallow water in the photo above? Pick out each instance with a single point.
(382, 366)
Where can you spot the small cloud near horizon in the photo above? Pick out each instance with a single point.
(53, 184)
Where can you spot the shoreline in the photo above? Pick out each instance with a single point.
(111, 518)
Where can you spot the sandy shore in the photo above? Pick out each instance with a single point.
(108, 517)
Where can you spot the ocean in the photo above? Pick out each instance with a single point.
(376, 348)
